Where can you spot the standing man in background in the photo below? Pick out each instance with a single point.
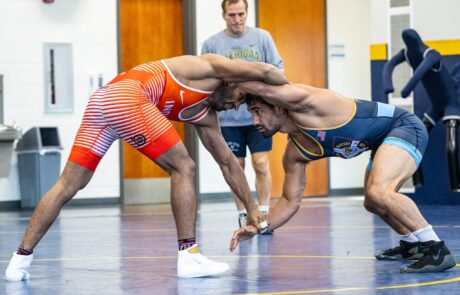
(238, 41)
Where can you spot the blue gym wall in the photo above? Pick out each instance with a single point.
(436, 189)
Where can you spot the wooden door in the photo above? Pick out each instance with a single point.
(299, 30)
(149, 30)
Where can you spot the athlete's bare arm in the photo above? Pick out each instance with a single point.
(308, 105)
(239, 70)
(294, 97)
(211, 137)
(293, 187)
(288, 204)
(212, 69)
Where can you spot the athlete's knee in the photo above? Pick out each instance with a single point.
(189, 167)
(261, 164)
(375, 198)
(186, 168)
(69, 183)
(71, 186)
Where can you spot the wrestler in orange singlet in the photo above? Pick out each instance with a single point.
(147, 96)
(136, 106)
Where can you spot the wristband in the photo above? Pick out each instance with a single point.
(263, 226)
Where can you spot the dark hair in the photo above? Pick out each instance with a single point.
(250, 98)
(225, 2)
(225, 89)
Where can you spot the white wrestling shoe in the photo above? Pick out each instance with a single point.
(17, 269)
(191, 264)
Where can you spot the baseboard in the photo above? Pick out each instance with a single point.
(346, 192)
(94, 202)
(16, 205)
(10, 205)
(219, 197)
(216, 197)
(227, 197)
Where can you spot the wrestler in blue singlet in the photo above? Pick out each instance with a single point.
(371, 124)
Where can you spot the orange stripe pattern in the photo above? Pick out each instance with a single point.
(123, 109)
(136, 106)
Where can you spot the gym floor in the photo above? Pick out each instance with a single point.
(327, 247)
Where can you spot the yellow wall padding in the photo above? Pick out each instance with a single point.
(379, 51)
(445, 47)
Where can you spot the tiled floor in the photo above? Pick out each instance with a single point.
(327, 247)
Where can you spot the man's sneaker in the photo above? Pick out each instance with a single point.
(191, 264)
(436, 258)
(17, 269)
(405, 250)
(242, 219)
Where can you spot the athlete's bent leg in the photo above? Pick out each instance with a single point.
(388, 218)
(409, 245)
(392, 166)
(177, 162)
(73, 178)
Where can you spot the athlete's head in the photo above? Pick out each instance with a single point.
(235, 14)
(267, 118)
(226, 97)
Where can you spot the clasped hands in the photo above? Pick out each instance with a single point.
(249, 231)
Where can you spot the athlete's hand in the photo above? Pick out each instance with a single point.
(257, 219)
(242, 234)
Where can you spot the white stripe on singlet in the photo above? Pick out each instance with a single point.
(120, 110)
(153, 87)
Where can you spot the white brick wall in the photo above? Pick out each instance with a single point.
(90, 25)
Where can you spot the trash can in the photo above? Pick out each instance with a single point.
(8, 134)
(39, 163)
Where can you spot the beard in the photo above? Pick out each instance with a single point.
(267, 133)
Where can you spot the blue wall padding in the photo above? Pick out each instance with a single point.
(378, 92)
(436, 189)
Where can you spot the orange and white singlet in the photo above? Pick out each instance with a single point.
(136, 106)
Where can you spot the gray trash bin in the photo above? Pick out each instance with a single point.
(39, 163)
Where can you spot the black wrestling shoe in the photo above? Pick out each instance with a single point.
(242, 219)
(436, 258)
(405, 250)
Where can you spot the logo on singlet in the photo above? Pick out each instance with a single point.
(168, 107)
(349, 148)
(139, 139)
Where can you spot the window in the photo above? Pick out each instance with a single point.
(58, 77)
(400, 18)
(399, 3)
